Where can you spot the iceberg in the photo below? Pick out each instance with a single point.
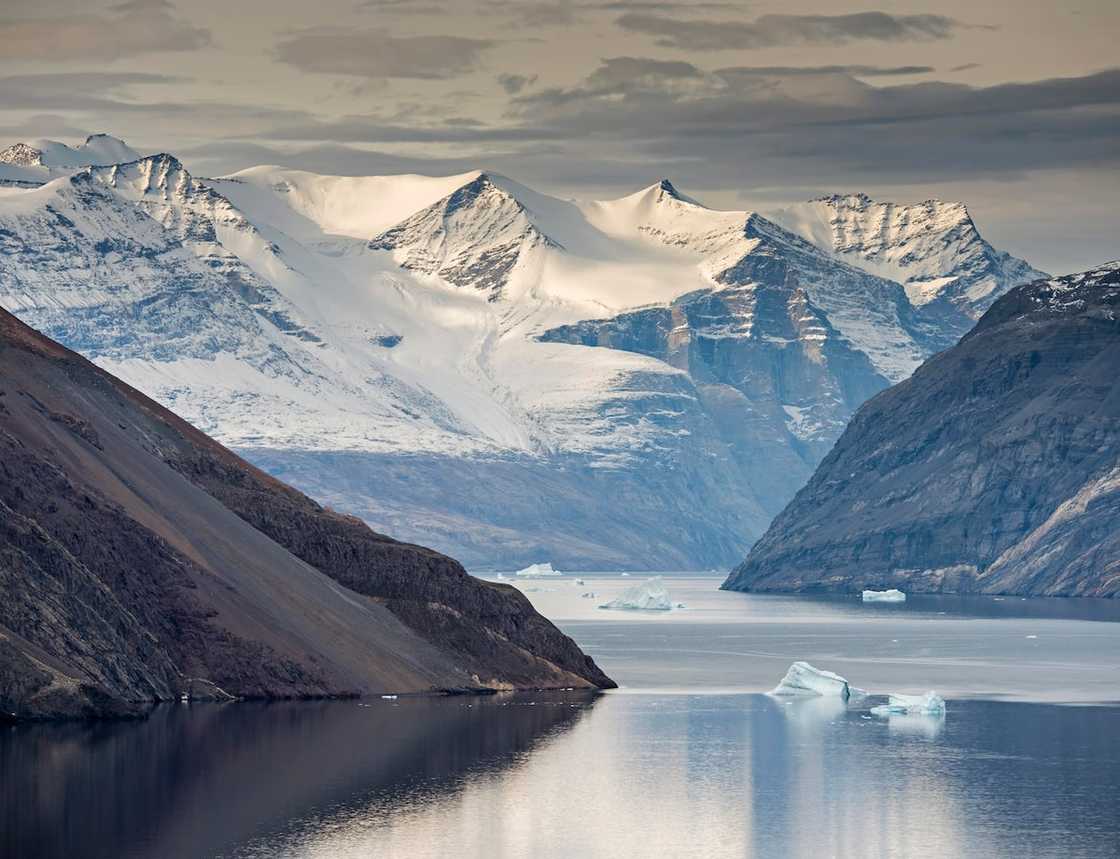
(892, 595)
(650, 595)
(803, 679)
(536, 571)
(930, 704)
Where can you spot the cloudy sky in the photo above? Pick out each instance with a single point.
(1012, 106)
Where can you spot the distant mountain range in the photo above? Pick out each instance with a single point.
(995, 468)
(468, 363)
(140, 561)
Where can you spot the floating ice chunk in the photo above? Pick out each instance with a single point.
(930, 704)
(388, 697)
(535, 571)
(650, 595)
(579, 582)
(892, 595)
(803, 679)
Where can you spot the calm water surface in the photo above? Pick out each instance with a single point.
(688, 759)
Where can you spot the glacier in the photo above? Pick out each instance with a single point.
(650, 595)
(803, 679)
(890, 595)
(467, 363)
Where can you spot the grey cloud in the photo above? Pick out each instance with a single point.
(836, 123)
(514, 84)
(771, 30)
(42, 125)
(378, 54)
(73, 90)
(629, 77)
(125, 30)
(615, 71)
(730, 74)
(534, 13)
(653, 6)
(401, 7)
(367, 129)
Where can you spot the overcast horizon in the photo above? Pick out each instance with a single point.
(743, 105)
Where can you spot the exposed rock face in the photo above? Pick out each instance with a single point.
(21, 155)
(140, 561)
(780, 380)
(995, 468)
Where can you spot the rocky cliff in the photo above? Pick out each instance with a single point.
(141, 561)
(995, 468)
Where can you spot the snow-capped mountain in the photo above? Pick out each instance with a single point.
(469, 363)
(39, 160)
(933, 248)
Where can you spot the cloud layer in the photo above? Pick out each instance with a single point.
(379, 54)
(126, 30)
(773, 30)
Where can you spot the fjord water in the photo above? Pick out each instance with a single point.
(687, 758)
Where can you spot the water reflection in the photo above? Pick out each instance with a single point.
(545, 776)
(206, 781)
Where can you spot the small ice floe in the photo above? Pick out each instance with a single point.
(892, 595)
(650, 595)
(536, 571)
(579, 582)
(1032, 636)
(929, 704)
(803, 679)
(625, 574)
(388, 697)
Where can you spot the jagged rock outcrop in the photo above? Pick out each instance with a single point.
(141, 561)
(995, 468)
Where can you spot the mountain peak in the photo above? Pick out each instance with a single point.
(664, 189)
(102, 137)
(858, 201)
(97, 150)
(667, 186)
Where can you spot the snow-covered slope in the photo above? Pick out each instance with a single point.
(468, 362)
